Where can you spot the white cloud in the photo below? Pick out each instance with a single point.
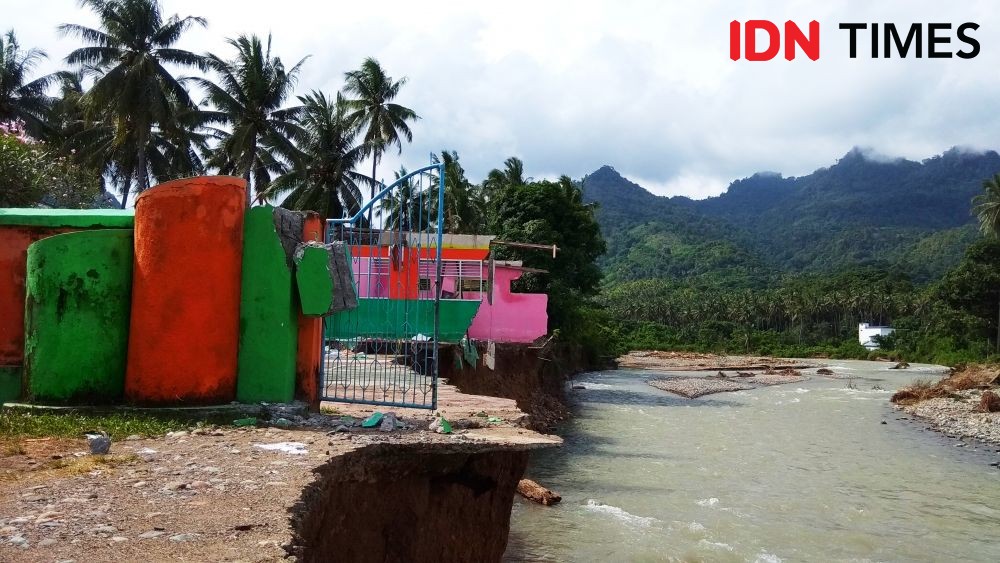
(644, 86)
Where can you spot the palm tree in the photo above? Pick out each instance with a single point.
(134, 93)
(465, 208)
(384, 122)
(512, 174)
(248, 100)
(21, 100)
(168, 152)
(66, 115)
(408, 206)
(323, 176)
(987, 207)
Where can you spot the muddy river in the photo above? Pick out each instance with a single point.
(799, 472)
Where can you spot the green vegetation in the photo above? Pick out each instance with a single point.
(21, 423)
(791, 266)
(123, 116)
(32, 173)
(248, 102)
(136, 107)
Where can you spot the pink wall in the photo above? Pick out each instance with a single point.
(371, 280)
(513, 317)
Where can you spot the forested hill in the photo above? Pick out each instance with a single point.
(906, 215)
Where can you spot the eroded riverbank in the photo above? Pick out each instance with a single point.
(309, 492)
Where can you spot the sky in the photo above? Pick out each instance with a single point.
(644, 86)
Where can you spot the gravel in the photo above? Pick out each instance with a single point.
(958, 416)
(692, 387)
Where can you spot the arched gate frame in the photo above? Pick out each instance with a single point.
(385, 352)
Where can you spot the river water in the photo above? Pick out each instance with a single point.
(797, 472)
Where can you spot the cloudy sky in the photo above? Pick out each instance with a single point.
(645, 86)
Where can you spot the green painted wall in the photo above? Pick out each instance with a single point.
(76, 317)
(82, 218)
(10, 383)
(402, 318)
(268, 316)
(315, 284)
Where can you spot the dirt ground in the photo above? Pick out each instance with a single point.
(211, 494)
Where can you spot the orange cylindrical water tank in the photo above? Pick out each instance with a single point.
(184, 330)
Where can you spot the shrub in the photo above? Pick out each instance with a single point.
(30, 174)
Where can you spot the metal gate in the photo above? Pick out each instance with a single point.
(385, 352)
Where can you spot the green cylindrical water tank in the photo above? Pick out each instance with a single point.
(76, 316)
(268, 316)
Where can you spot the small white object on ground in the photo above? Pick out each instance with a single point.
(293, 448)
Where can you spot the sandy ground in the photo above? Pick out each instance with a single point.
(958, 417)
(692, 361)
(209, 494)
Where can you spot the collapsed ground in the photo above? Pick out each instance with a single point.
(251, 494)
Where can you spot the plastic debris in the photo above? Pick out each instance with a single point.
(494, 420)
(373, 420)
(100, 443)
(469, 351)
(293, 448)
(440, 425)
(249, 421)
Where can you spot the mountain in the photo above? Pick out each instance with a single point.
(911, 216)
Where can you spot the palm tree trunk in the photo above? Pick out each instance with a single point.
(141, 176)
(125, 191)
(374, 183)
(247, 174)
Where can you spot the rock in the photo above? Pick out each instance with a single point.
(900, 365)
(18, 541)
(103, 530)
(198, 485)
(579, 386)
(177, 434)
(537, 493)
(183, 537)
(118, 539)
(175, 486)
(133, 437)
(340, 428)
(824, 371)
(47, 542)
(100, 443)
(989, 402)
(47, 517)
(151, 534)
(388, 423)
